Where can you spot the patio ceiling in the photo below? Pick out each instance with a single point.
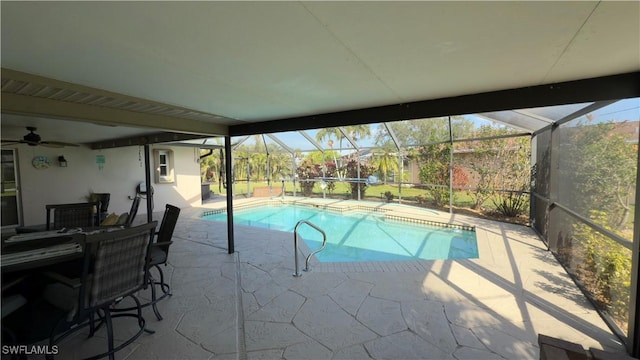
(217, 68)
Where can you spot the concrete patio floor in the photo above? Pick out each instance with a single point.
(247, 305)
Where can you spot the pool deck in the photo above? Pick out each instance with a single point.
(247, 305)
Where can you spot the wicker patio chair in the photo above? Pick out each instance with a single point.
(71, 215)
(135, 204)
(159, 255)
(115, 266)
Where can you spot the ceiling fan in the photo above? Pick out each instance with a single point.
(33, 139)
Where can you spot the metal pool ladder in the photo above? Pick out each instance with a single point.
(295, 245)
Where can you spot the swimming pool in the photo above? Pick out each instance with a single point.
(360, 235)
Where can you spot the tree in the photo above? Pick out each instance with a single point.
(209, 166)
(240, 165)
(601, 164)
(434, 170)
(281, 166)
(423, 131)
(605, 270)
(307, 171)
(358, 132)
(329, 134)
(352, 172)
(330, 171)
(496, 164)
(258, 164)
(384, 160)
(317, 158)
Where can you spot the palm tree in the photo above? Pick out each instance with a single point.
(329, 134)
(358, 132)
(280, 164)
(258, 162)
(385, 161)
(240, 165)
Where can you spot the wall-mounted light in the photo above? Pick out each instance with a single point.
(62, 161)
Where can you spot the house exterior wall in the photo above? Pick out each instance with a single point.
(122, 171)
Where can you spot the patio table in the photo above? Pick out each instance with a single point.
(36, 250)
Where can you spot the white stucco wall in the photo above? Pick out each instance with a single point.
(122, 171)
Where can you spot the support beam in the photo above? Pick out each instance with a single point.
(236, 145)
(281, 143)
(227, 168)
(147, 179)
(312, 140)
(584, 111)
(348, 137)
(29, 94)
(393, 136)
(633, 343)
(611, 87)
(145, 140)
(48, 108)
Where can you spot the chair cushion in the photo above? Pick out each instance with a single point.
(112, 219)
(158, 256)
(122, 220)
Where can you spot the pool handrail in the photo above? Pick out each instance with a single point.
(295, 246)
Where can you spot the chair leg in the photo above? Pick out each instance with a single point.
(92, 325)
(154, 300)
(108, 320)
(52, 336)
(107, 317)
(166, 289)
(141, 321)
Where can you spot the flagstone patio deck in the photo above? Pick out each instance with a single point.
(247, 305)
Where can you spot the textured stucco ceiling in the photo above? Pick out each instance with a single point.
(259, 61)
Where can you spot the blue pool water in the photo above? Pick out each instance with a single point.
(361, 236)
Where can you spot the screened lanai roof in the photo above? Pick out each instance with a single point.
(514, 122)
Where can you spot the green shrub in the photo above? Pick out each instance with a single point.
(512, 204)
(606, 269)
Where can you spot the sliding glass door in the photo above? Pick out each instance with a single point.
(9, 194)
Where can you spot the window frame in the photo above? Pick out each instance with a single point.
(167, 164)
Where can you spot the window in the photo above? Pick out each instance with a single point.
(163, 166)
(164, 163)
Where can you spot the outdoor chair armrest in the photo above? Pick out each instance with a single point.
(163, 245)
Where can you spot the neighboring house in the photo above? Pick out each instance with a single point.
(118, 171)
(629, 129)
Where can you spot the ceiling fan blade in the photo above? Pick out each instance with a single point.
(7, 142)
(13, 142)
